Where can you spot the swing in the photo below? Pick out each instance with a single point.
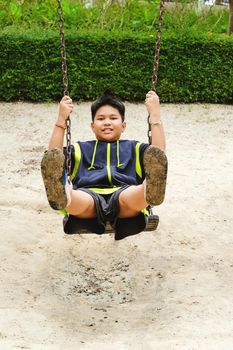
(153, 219)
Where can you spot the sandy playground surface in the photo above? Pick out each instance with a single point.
(168, 289)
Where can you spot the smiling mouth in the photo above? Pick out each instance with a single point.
(107, 130)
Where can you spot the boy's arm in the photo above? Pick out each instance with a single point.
(157, 130)
(65, 108)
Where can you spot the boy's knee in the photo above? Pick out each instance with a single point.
(81, 205)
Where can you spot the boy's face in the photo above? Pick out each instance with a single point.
(108, 124)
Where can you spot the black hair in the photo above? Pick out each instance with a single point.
(108, 98)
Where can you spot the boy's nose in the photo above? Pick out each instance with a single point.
(107, 122)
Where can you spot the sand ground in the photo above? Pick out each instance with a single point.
(168, 289)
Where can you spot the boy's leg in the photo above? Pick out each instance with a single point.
(135, 198)
(54, 177)
(132, 201)
(155, 166)
(82, 205)
(128, 218)
(60, 194)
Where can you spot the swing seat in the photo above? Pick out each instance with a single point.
(152, 224)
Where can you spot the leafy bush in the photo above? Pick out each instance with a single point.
(191, 68)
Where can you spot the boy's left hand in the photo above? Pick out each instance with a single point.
(152, 105)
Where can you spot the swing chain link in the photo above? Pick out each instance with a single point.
(65, 84)
(65, 78)
(156, 59)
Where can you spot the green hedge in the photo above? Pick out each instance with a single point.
(192, 69)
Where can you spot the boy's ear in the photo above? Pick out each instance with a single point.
(92, 126)
(123, 126)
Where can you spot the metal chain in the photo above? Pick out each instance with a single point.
(65, 84)
(65, 78)
(156, 59)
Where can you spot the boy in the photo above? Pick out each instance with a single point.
(112, 180)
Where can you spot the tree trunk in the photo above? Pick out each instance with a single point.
(230, 28)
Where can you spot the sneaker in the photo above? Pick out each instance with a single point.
(55, 179)
(155, 166)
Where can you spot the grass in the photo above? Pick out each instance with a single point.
(135, 16)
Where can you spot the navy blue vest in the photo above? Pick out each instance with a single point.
(100, 164)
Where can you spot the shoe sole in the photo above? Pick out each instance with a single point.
(155, 166)
(52, 169)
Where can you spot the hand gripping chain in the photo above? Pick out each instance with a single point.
(65, 78)
(65, 84)
(156, 58)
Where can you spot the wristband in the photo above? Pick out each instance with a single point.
(61, 126)
(158, 122)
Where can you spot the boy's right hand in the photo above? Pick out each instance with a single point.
(65, 108)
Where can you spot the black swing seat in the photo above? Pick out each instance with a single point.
(152, 224)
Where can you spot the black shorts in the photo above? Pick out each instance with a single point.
(107, 209)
